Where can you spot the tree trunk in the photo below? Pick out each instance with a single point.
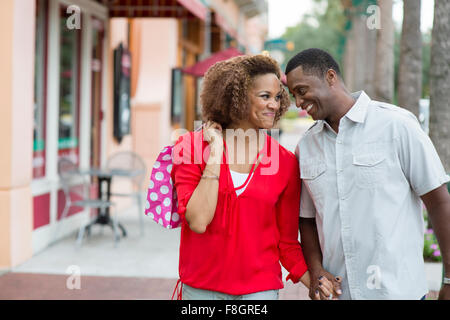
(440, 81)
(410, 66)
(359, 54)
(384, 69)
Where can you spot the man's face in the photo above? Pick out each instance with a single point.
(311, 93)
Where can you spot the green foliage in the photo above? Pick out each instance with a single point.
(291, 114)
(431, 250)
(327, 26)
(323, 29)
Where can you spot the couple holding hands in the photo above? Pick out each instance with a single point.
(354, 189)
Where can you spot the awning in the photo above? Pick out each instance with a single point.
(195, 7)
(226, 26)
(157, 8)
(200, 68)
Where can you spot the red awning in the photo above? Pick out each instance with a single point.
(222, 23)
(195, 7)
(200, 68)
(157, 8)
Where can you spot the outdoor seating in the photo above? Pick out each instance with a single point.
(76, 188)
(128, 161)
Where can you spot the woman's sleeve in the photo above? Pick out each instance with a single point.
(186, 170)
(291, 254)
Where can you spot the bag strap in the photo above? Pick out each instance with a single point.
(252, 170)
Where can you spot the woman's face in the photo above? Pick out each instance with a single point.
(264, 98)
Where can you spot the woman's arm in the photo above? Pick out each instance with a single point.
(202, 205)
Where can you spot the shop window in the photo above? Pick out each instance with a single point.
(177, 101)
(40, 80)
(69, 89)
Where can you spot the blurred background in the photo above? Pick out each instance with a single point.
(85, 80)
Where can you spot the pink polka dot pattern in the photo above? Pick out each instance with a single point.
(162, 204)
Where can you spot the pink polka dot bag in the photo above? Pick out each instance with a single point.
(162, 204)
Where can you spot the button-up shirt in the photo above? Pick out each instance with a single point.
(363, 187)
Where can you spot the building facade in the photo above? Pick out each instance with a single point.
(58, 88)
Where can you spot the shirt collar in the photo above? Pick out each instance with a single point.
(357, 112)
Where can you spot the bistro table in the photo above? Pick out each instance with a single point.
(106, 175)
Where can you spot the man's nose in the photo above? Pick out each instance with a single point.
(298, 102)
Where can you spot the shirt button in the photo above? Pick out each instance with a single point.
(339, 141)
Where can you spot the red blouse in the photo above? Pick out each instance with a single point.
(240, 251)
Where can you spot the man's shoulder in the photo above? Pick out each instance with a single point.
(389, 112)
(310, 134)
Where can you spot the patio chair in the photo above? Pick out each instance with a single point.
(128, 161)
(76, 188)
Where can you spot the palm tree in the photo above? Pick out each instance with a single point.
(384, 65)
(360, 47)
(440, 81)
(410, 66)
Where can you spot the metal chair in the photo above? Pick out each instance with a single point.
(76, 188)
(128, 161)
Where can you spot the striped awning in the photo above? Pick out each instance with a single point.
(156, 8)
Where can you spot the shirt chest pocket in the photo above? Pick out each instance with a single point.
(312, 173)
(370, 169)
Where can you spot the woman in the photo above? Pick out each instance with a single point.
(239, 190)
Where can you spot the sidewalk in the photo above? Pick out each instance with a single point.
(139, 268)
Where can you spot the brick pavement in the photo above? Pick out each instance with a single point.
(32, 286)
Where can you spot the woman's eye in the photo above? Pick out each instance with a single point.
(265, 96)
(278, 98)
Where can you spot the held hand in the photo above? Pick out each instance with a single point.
(212, 133)
(324, 286)
(444, 293)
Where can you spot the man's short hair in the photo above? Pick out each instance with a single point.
(313, 61)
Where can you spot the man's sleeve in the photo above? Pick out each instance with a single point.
(307, 208)
(418, 158)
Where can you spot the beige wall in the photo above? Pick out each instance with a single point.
(17, 30)
(151, 104)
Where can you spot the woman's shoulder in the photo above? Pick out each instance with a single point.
(190, 145)
(284, 153)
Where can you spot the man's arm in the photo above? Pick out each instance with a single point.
(313, 257)
(437, 203)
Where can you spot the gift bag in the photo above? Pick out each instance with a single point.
(162, 204)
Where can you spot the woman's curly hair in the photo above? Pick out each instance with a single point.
(224, 96)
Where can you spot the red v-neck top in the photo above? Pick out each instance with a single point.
(241, 249)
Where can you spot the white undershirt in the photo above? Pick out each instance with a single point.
(239, 179)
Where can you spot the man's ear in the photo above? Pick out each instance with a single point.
(331, 77)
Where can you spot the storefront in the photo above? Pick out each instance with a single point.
(58, 95)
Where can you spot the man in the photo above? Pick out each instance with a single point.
(365, 167)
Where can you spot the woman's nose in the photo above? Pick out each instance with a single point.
(274, 104)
